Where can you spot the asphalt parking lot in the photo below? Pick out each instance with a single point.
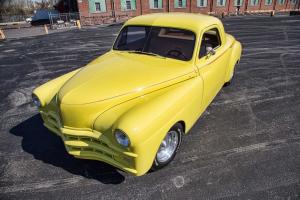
(245, 146)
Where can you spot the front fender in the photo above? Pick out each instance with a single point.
(147, 123)
(46, 92)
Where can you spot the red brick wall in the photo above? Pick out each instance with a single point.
(266, 8)
(203, 10)
(83, 7)
(293, 6)
(218, 10)
(282, 7)
(143, 7)
(256, 8)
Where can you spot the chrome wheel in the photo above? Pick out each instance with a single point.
(167, 147)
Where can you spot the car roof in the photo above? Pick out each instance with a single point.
(189, 21)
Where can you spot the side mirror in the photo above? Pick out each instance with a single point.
(210, 51)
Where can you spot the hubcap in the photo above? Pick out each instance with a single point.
(167, 147)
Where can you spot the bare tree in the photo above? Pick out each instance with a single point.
(43, 4)
(23, 7)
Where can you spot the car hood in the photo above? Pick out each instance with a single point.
(118, 74)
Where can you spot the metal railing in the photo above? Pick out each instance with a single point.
(12, 18)
(63, 20)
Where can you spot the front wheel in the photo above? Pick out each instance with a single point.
(168, 147)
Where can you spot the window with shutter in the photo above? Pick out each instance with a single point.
(201, 3)
(155, 4)
(221, 3)
(254, 2)
(128, 5)
(133, 4)
(238, 2)
(268, 2)
(281, 2)
(97, 6)
(180, 3)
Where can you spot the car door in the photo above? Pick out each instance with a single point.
(211, 65)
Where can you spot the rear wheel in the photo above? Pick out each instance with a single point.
(168, 147)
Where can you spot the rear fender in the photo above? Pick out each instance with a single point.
(236, 52)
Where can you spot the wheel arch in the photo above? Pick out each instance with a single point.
(235, 56)
(146, 124)
(182, 123)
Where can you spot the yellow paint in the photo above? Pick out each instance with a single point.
(78, 24)
(46, 29)
(142, 95)
(2, 34)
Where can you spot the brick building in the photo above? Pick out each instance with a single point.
(107, 11)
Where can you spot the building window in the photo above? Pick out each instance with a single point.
(155, 4)
(254, 2)
(201, 3)
(97, 6)
(268, 2)
(128, 5)
(221, 3)
(281, 2)
(238, 2)
(180, 3)
(294, 2)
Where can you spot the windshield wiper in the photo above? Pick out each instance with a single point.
(145, 53)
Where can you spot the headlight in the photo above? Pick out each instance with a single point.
(36, 101)
(122, 138)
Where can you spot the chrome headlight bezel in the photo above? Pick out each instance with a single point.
(122, 138)
(36, 101)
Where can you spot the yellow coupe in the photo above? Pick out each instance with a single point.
(131, 106)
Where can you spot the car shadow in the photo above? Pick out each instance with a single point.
(49, 148)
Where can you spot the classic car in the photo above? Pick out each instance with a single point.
(131, 106)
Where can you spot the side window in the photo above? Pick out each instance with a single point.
(210, 40)
(135, 33)
(132, 37)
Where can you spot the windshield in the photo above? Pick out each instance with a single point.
(161, 41)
